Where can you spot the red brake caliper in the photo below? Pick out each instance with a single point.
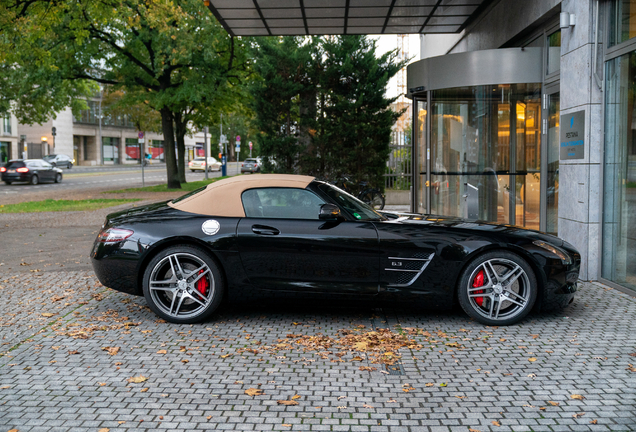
(203, 284)
(477, 282)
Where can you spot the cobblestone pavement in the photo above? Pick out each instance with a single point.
(70, 351)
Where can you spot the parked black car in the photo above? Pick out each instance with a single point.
(59, 160)
(269, 234)
(31, 171)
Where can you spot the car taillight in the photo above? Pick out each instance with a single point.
(114, 235)
(3, 169)
(255, 165)
(242, 164)
(22, 170)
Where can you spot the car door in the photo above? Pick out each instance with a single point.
(47, 170)
(285, 246)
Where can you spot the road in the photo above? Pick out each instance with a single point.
(81, 179)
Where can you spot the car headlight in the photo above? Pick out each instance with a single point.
(565, 258)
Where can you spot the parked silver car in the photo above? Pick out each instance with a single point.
(198, 164)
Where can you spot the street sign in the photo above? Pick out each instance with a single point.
(250, 145)
(141, 140)
(223, 139)
(238, 138)
(140, 135)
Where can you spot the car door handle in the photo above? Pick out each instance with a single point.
(264, 230)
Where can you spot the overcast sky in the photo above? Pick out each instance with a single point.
(390, 42)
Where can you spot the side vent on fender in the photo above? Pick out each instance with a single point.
(407, 270)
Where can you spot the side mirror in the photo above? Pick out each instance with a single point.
(329, 212)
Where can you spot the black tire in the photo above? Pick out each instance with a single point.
(192, 170)
(34, 179)
(69, 166)
(374, 199)
(503, 302)
(58, 178)
(7, 182)
(196, 300)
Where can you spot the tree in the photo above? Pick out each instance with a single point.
(32, 87)
(321, 107)
(174, 57)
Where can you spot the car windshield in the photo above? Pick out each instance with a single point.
(200, 159)
(353, 205)
(251, 160)
(49, 157)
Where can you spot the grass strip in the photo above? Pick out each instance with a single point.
(185, 187)
(50, 205)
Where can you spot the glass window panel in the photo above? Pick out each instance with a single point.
(619, 172)
(472, 153)
(622, 21)
(421, 141)
(552, 193)
(281, 203)
(554, 52)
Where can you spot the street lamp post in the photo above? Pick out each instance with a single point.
(205, 150)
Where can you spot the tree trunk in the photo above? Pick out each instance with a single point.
(167, 126)
(180, 129)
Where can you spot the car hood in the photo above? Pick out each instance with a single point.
(477, 226)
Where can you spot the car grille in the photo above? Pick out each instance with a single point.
(404, 271)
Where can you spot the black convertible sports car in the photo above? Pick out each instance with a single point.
(290, 235)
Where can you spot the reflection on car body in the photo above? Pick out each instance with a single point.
(269, 235)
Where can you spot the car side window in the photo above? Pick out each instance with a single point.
(33, 164)
(281, 203)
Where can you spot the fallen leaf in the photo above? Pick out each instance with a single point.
(287, 425)
(137, 379)
(594, 421)
(367, 368)
(391, 401)
(553, 403)
(366, 406)
(473, 430)
(341, 397)
(581, 414)
(101, 384)
(532, 359)
(162, 352)
(460, 397)
(496, 423)
(577, 396)
(111, 350)
(73, 352)
(144, 390)
(631, 368)
(118, 363)
(296, 397)
(185, 361)
(429, 384)
(442, 385)
(254, 392)
(208, 417)
(342, 407)
(356, 358)
(101, 430)
(121, 422)
(287, 402)
(48, 314)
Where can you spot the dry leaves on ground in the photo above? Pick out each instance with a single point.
(553, 403)
(137, 379)
(287, 402)
(254, 392)
(111, 350)
(577, 415)
(577, 397)
(496, 423)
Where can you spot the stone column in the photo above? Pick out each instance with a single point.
(579, 179)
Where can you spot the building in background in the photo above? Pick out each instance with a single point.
(79, 137)
(528, 117)
(9, 141)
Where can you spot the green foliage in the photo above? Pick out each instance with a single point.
(62, 205)
(321, 108)
(173, 57)
(163, 188)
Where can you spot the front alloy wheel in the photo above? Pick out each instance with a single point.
(183, 285)
(498, 288)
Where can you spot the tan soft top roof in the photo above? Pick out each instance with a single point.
(223, 198)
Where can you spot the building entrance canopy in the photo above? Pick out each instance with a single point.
(331, 17)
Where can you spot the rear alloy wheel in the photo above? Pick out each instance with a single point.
(58, 177)
(69, 166)
(34, 179)
(497, 288)
(183, 285)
